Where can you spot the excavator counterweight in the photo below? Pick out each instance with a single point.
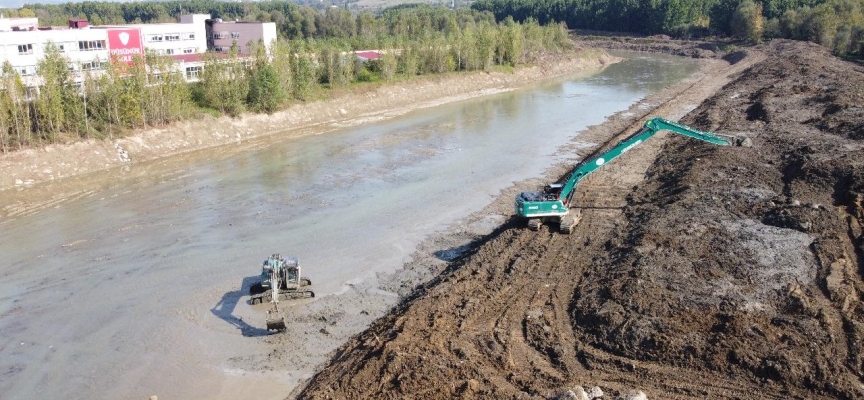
(553, 202)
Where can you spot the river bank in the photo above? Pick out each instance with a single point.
(155, 261)
(361, 105)
(344, 315)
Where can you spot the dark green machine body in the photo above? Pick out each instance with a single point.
(554, 201)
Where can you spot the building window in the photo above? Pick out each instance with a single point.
(91, 45)
(25, 49)
(66, 47)
(220, 35)
(188, 36)
(27, 70)
(188, 50)
(193, 72)
(154, 38)
(235, 35)
(172, 37)
(220, 49)
(169, 51)
(91, 66)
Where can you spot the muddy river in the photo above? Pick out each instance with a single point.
(131, 283)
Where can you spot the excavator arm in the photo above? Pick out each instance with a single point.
(651, 127)
(554, 201)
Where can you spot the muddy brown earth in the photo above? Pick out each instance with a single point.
(697, 271)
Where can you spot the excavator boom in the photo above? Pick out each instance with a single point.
(651, 127)
(554, 200)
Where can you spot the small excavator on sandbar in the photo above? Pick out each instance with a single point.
(552, 204)
(280, 280)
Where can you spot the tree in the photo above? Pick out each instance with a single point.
(409, 60)
(345, 68)
(790, 25)
(339, 23)
(16, 104)
(303, 72)
(821, 24)
(281, 62)
(387, 62)
(468, 50)
(533, 34)
(487, 40)
(436, 57)
(266, 93)
(367, 26)
(224, 82)
(117, 99)
(167, 93)
(515, 43)
(133, 98)
(747, 22)
(54, 93)
(329, 64)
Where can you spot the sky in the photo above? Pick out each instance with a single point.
(19, 3)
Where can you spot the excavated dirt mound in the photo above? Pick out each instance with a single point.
(696, 272)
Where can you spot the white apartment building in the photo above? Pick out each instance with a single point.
(90, 48)
(86, 49)
(186, 37)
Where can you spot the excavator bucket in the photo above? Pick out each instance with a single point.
(743, 141)
(276, 324)
(275, 320)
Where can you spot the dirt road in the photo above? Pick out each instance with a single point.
(697, 271)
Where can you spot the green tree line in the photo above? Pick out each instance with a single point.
(152, 91)
(837, 24)
(292, 21)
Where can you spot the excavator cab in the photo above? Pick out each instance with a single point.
(552, 191)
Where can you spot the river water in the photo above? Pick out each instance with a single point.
(109, 293)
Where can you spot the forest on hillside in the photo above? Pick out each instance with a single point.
(293, 20)
(836, 24)
(152, 92)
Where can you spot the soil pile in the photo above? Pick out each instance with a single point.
(696, 272)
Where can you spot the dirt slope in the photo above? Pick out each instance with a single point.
(697, 271)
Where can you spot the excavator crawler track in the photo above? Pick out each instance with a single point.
(283, 295)
(569, 221)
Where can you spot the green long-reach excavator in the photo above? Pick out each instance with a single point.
(553, 203)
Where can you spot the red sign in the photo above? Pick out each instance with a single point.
(125, 44)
